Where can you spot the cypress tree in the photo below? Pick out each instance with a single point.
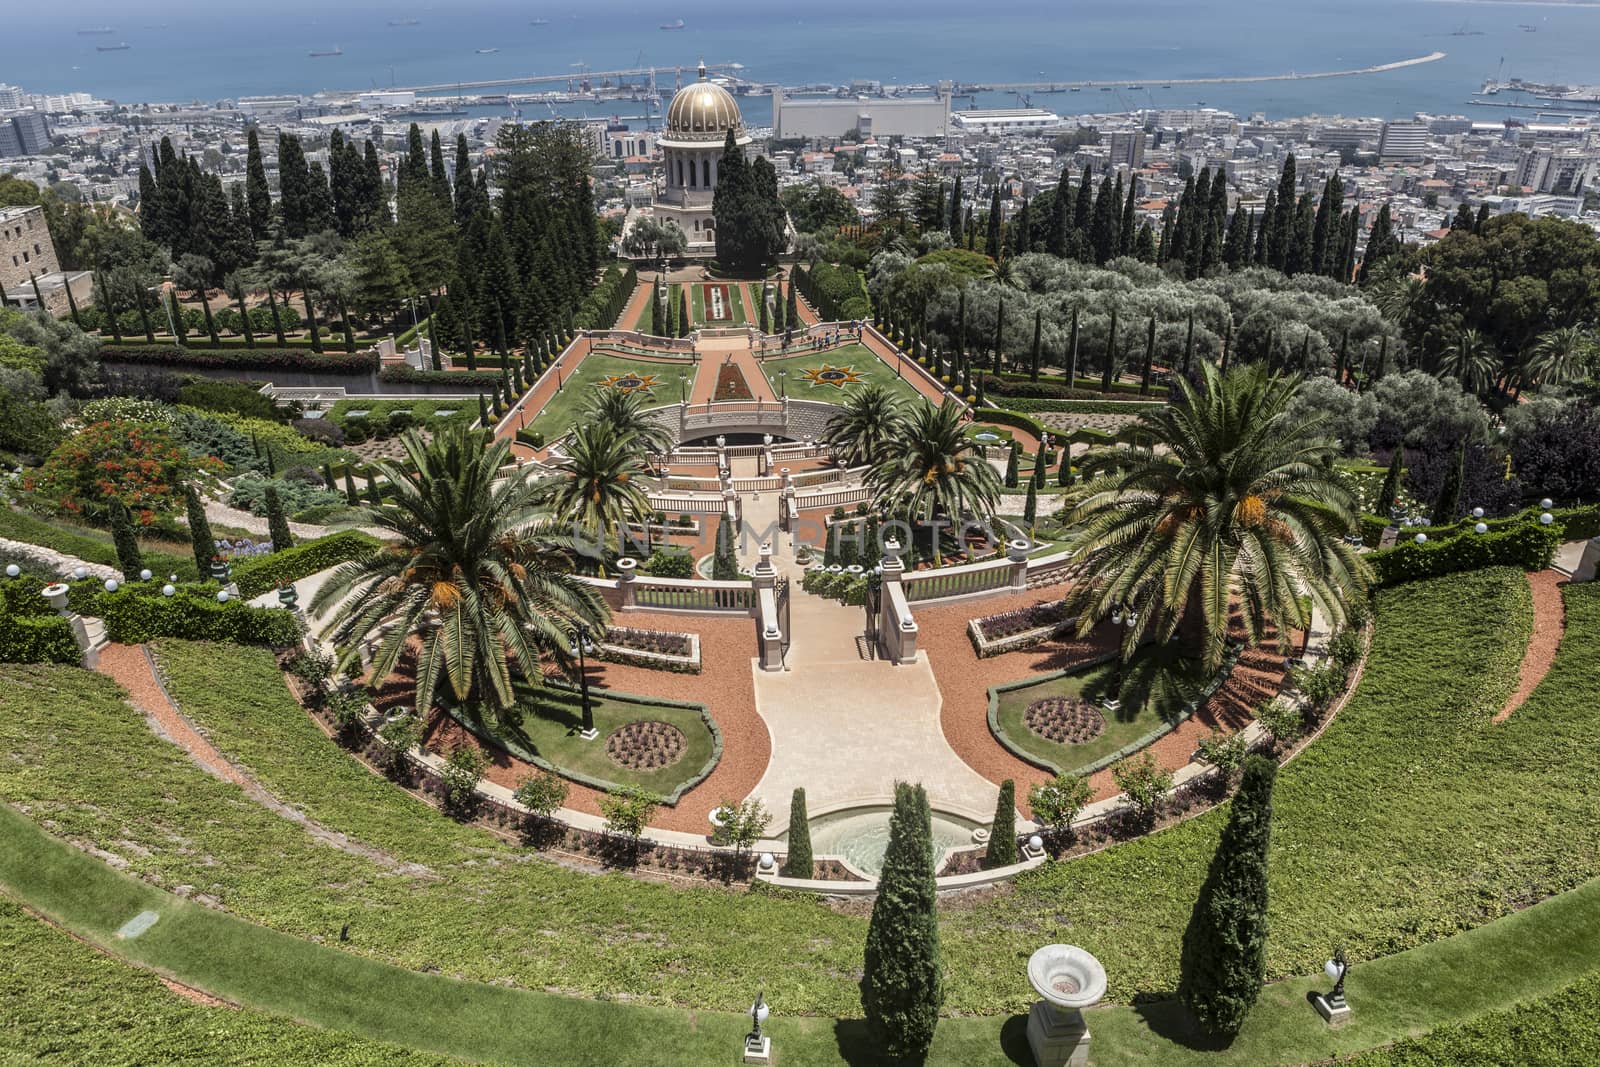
(1012, 465)
(483, 410)
(955, 213)
(1344, 352)
(351, 496)
(1390, 490)
(72, 307)
(327, 479)
(1072, 353)
(1041, 463)
(1188, 346)
(277, 318)
(999, 334)
(129, 559)
(211, 323)
(1083, 203)
(144, 316)
(1449, 499)
(1064, 472)
(725, 565)
(1030, 512)
(244, 320)
(991, 240)
(1149, 357)
(180, 327)
(258, 195)
(1003, 831)
(200, 538)
(1061, 214)
(902, 989)
(311, 322)
(349, 333)
(1126, 228)
(1224, 958)
(1038, 346)
(799, 863)
(1111, 355)
(277, 523)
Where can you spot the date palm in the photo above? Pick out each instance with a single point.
(867, 420)
(625, 413)
(929, 469)
(1562, 355)
(1230, 500)
(470, 580)
(597, 485)
(1471, 361)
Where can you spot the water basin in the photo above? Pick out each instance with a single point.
(861, 836)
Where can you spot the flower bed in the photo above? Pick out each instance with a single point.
(662, 650)
(1011, 631)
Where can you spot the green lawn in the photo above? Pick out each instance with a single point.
(858, 358)
(1154, 688)
(562, 412)
(549, 725)
(1412, 818)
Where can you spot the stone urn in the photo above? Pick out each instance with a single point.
(1068, 979)
(55, 594)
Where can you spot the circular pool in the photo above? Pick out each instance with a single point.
(860, 836)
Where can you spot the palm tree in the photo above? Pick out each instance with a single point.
(1471, 361)
(1562, 355)
(930, 469)
(1233, 501)
(625, 413)
(596, 485)
(867, 420)
(468, 581)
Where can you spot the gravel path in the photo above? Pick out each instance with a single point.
(1549, 624)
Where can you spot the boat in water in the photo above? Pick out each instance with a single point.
(405, 22)
(122, 47)
(675, 24)
(487, 51)
(96, 31)
(539, 22)
(322, 53)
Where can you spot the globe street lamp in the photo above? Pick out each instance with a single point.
(758, 1049)
(1331, 1005)
(578, 634)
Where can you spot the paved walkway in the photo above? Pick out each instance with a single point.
(846, 728)
(716, 351)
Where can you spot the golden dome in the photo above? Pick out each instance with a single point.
(702, 111)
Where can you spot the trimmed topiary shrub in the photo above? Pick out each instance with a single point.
(1003, 832)
(902, 987)
(799, 863)
(1528, 545)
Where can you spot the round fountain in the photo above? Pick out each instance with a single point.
(1068, 979)
(859, 836)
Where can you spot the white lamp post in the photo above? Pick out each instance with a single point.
(111, 585)
(1547, 503)
(1546, 519)
(145, 575)
(12, 570)
(168, 590)
(757, 1046)
(222, 596)
(1421, 539)
(1331, 1005)
(1481, 527)
(1477, 513)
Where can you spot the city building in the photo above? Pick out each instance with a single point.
(1403, 140)
(1006, 120)
(833, 117)
(1125, 148)
(23, 133)
(27, 256)
(11, 97)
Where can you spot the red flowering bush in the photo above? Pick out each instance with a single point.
(137, 463)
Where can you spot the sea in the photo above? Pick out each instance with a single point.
(210, 50)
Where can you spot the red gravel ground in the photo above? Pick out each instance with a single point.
(1549, 624)
(964, 682)
(725, 687)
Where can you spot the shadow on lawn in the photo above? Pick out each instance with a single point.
(1167, 1018)
(857, 1048)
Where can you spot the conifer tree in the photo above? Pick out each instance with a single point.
(130, 561)
(200, 539)
(1283, 220)
(1083, 203)
(1224, 958)
(902, 988)
(180, 325)
(294, 186)
(258, 195)
(1169, 227)
(311, 322)
(1002, 850)
(991, 241)
(1061, 214)
(1012, 464)
(1038, 345)
(956, 216)
(1448, 501)
(1064, 471)
(1389, 492)
(277, 522)
(1149, 358)
(725, 564)
(1127, 228)
(277, 319)
(1103, 229)
(798, 863)
(1108, 373)
(351, 495)
(211, 323)
(1072, 353)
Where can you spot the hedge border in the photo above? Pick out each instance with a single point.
(260, 574)
(265, 359)
(1528, 545)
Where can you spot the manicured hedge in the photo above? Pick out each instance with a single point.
(138, 612)
(37, 639)
(837, 292)
(1527, 545)
(246, 359)
(1009, 386)
(265, 342)
(467, 380)
(1578, 523)
(1039, 405)
(1008, 418)
(259, 574)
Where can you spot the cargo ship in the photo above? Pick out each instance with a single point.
(320, 53)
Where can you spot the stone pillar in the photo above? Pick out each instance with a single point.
(897, 629)
(1017, 552)
(733, 504)
(627, 573)
(764, 587)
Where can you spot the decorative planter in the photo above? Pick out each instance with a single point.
(1067, 979)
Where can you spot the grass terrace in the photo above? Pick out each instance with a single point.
(866, 367)
(161, 555)
(562, 412)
